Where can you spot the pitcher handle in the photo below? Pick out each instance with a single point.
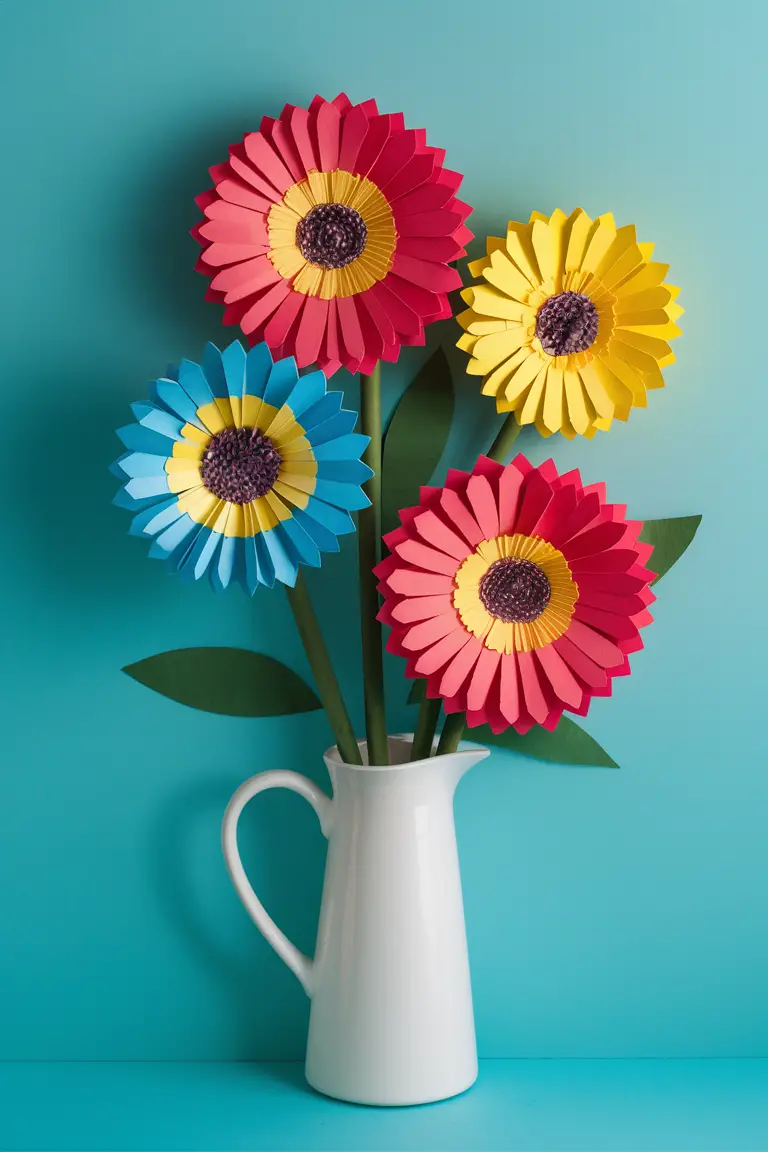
(298, 963)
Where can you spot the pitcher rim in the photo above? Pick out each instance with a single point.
(331, 755)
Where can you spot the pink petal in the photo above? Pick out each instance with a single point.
(584, 513)
(510, 488)
(439, 655)
(483, 503)
(242, 169)
(433, 277)
(244, 279)
(428, 632)
(397, 151)
(587, 670)
(617, 627)
(533, 692)
(328, 136)
(283, 143)
(421, 608)
(379, 316)
(422, 199)
(564, 683)
(614, 560)
(482, 679)
(353, 132)
(235, 192)
(509, 693)
(408, 582)
(266, 161)
(437, 249)
(460, 516)
(417, 171)
(265, 306)
(536, 495)
(460, 668)
(300, 131)
(309, 337)
(432, 529)
(379, 130)
(422, 556)
(441, 222)
(402, 317)
(592, 644)
(426, 305)
(594, 540)
(351, 332)
(280, 325)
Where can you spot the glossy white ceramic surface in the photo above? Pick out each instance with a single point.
(391, 1019)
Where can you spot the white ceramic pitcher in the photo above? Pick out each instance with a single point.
(391, 1019)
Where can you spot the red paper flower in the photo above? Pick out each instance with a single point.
(516, 593)
(329, 235)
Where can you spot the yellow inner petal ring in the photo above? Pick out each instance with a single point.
(337, 187)
(296, 479)
(496, 634)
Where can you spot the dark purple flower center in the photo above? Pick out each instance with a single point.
(240, 465)
(514, 590)
(567, 323)
(331, 235)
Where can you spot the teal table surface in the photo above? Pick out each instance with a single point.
(589, 1105)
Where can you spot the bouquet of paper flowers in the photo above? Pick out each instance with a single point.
(514, 593)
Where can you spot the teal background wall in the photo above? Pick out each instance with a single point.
(609, 913)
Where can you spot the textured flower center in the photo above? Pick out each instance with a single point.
(331, 235)
(514, 590)
(567, 323)
(240, 465)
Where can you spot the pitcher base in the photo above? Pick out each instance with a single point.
(382, 1098)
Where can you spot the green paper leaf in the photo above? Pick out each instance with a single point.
(670, 538)
(568, 744)
(229, 681)
(416, 694)
(416, 438)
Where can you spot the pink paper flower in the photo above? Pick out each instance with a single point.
(516, 593)
(329, 234)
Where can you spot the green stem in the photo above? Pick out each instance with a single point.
(508, 433)
(423, 737)
(369, 546)
(452, 732)
(322, 669)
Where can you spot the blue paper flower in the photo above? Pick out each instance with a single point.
(241, 468)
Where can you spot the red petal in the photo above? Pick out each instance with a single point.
(395, 154)
(265, 306)
(245, 279)
(433, 277)
(404, 319)
(594, 540)
(592, 644)
(422, 556)
(587, 670)
(407, 582)
(353, 132)
(423, 199)
(328, 136)
(309, 337)
(302, 139)
(421, 608)
(536, 495)
(417, 171)
(351, 332)
(441, 653)
(266, 161)
(379, 130)
(426, 305)
(564, 683)
(429, 632)
(483, 503)
(281, 323)
(510, 699)
(460, 668)
(242, 169)
(460, 517)
(584, 513)
(283, 143)
(235, 192)
(535, 700)
(432, 529)
(482, 679)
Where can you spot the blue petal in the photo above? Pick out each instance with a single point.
(283, 555)
(233, 360)
(324, 539)
(155, 518)
(323, 410)
(174, 398)
(223, 567)
(349, 471)
(141, 439)
(140, 464)
(258, 365)
(309, 389)
(258, 563)
(348, 496)
(214, 371)
(194, 383)
(125, 499)
(282, 379)
(143, 488)
(334, 519)
(336, 426)
(150, 416)
(349, 447)
(200, 555)
(302, 542)
(171, 538)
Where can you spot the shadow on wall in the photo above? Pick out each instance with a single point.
(282, 850)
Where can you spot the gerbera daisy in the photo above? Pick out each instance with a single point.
(516, 593)
(329, 234)
(570, 322)
(241, 468)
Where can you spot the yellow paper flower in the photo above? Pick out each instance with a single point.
(569, 322)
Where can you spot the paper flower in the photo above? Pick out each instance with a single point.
(241, 468)
(570, 322)
(329, 234)
(516, 593)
